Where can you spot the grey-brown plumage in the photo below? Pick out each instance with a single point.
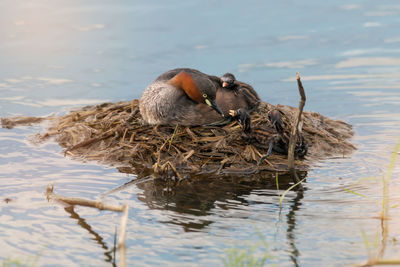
(174, 98)
(181, 96)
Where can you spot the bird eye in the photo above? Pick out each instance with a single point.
(205, 95)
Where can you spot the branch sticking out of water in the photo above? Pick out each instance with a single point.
(80, 201)
(121, 237)
(101, 206)
(294, 132)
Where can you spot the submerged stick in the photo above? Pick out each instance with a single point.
(10, 123)
(81, 201)
(122, 235)
(115, 246)
(293, 134)
(101, 206)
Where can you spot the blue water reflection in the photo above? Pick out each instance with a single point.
(64, 54)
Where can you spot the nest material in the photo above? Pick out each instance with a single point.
(10, 123)
(113, 133)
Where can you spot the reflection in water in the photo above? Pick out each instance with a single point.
(109, 253)
(299, 64)
(348, 77)
(368, 61)
(54, 52)
(90, 27)
(199, 195)
(291, 223)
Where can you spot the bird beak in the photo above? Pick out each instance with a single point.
(224, 84)
(215, 106)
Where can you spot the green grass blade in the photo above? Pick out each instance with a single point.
(354, 193)
(277, 184)
(290, 188)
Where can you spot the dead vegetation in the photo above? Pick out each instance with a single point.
(72, 201)
(10, 123)
(113, 133)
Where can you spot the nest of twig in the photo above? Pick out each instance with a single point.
(113, 133)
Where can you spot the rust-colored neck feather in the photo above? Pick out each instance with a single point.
(185, 82)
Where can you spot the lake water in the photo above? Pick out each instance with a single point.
(56, 55)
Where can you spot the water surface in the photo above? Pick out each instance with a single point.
(65, 54)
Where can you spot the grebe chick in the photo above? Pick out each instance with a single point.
(235, 95)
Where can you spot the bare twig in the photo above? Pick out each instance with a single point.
(293, 134)
(92, 140)
(80, 201)
(113, 133)
(122, 235)
(101, 206)
(115, 245)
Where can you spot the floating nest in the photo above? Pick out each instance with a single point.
(113, 133)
